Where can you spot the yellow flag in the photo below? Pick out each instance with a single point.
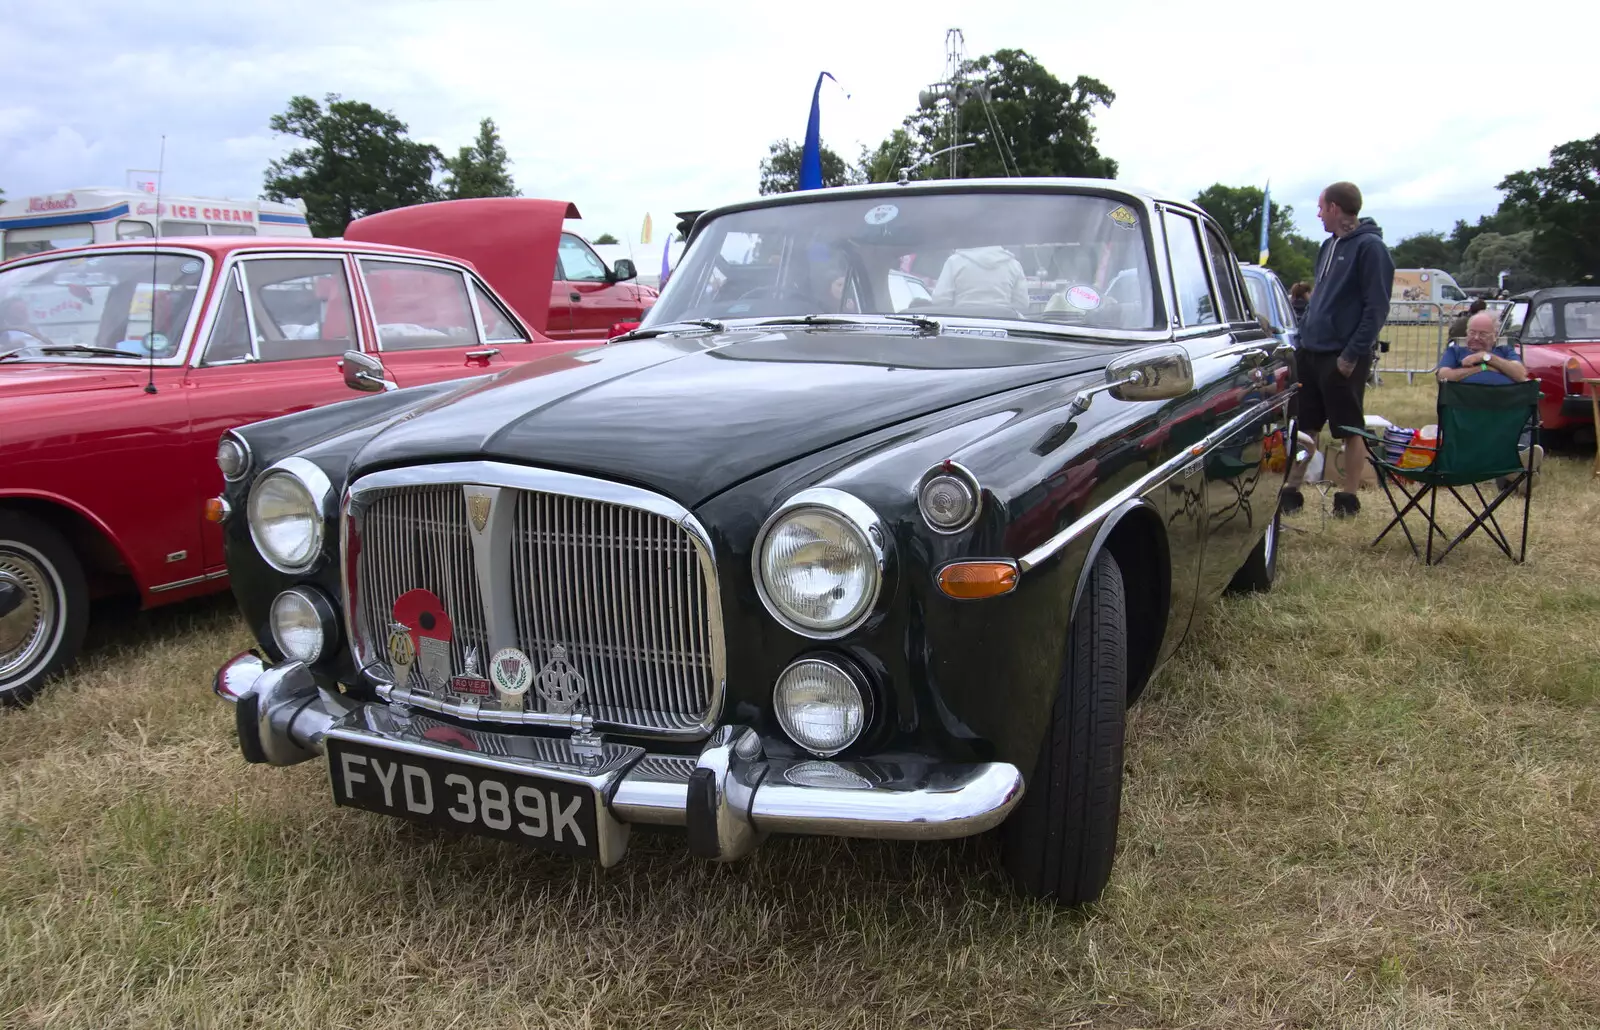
(644, 234)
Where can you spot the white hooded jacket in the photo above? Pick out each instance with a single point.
(981, 277)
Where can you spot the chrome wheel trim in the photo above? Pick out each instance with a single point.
(1270, 553)
(29, 635)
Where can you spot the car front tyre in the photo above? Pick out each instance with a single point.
(44, 606)
(1060, 843)
(1261, 568)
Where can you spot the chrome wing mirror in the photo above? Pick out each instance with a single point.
(1152, 374)
(365, 373)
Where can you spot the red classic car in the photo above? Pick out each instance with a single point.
(1559, 332)
(123, 364)
(548, 273)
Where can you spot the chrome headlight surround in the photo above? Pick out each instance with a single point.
(233, 451)
(856, 518)
(842, 673)
(321, 610)
(317, 493)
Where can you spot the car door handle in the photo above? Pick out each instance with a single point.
(483, 355)
(575, 296)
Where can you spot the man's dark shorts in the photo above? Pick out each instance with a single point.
(1327, 397)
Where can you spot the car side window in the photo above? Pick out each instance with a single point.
(498, 326)
(1285, 309)
(418, 306)
(579, 263)
(1541, 325)
(1189, 281)
(300, 307)
(1226, 269)
(230, 332)
(1582, 319)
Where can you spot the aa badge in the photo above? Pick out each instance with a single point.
(402, 653)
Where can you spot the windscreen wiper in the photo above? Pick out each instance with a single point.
(924, 325)
(710, 324)
(83, 348)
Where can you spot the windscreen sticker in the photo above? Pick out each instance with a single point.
(1123, 217)
(883, 213)
(190, 267)
(1084, 298)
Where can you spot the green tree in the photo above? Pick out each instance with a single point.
(1564, 201)
(1425, 250)
(780, 169)
(481, 170)
(605, 237)
(884, 162)
(359, 161)
(1491, 253)
(1020, 118)
(1238, 210)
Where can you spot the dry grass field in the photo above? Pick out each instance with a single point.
(1370, 798)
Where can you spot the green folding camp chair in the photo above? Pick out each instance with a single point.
(1480, 427)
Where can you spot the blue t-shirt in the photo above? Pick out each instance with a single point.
(1456, 353)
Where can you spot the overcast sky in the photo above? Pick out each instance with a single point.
(628, 108)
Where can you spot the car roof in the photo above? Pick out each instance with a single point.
(219, 247)
(1111, 187)
(1560, 293)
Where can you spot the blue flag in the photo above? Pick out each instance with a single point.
(1266, 219)
(811, 156)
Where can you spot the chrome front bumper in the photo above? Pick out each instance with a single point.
(727, 798)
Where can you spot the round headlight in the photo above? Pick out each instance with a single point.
(286, 518)
(819, 565)
(820, 706)
(233, 458)
(302, 621)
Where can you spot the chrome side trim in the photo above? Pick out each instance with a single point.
(1155, 477)
(179, 584)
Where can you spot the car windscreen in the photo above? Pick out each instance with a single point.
(1055, 258)
(124, 303)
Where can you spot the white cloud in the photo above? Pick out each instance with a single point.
(627, 108)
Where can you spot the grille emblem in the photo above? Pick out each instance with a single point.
(478, 506)
(559, 683)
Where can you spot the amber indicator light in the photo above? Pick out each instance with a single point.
(216, 510)
(973, 580)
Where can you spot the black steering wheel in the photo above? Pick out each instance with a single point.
(777, 293)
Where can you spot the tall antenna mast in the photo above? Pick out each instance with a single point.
(155, 258)
(953, 90)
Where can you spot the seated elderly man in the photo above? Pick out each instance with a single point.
(1478, 360)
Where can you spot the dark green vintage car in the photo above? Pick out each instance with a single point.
(874, 528)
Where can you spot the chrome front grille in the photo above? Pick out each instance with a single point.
(617, 581)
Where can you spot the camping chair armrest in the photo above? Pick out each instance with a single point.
(1365, 434)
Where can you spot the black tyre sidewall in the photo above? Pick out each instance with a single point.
(1259, 570)
(47, 547)
(1062, 840)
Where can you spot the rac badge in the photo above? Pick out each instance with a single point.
(511, 672)
(559, 683)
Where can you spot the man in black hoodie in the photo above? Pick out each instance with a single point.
(1349, 302)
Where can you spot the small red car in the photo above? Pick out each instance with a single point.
(548, 273)
(1559, 333)
(121, 366)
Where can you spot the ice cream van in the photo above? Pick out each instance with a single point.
(30, 225)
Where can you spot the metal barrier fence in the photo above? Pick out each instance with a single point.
(1413, 338)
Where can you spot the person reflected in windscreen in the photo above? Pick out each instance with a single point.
(1349, 304)
(982, 278)
(16, 330)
